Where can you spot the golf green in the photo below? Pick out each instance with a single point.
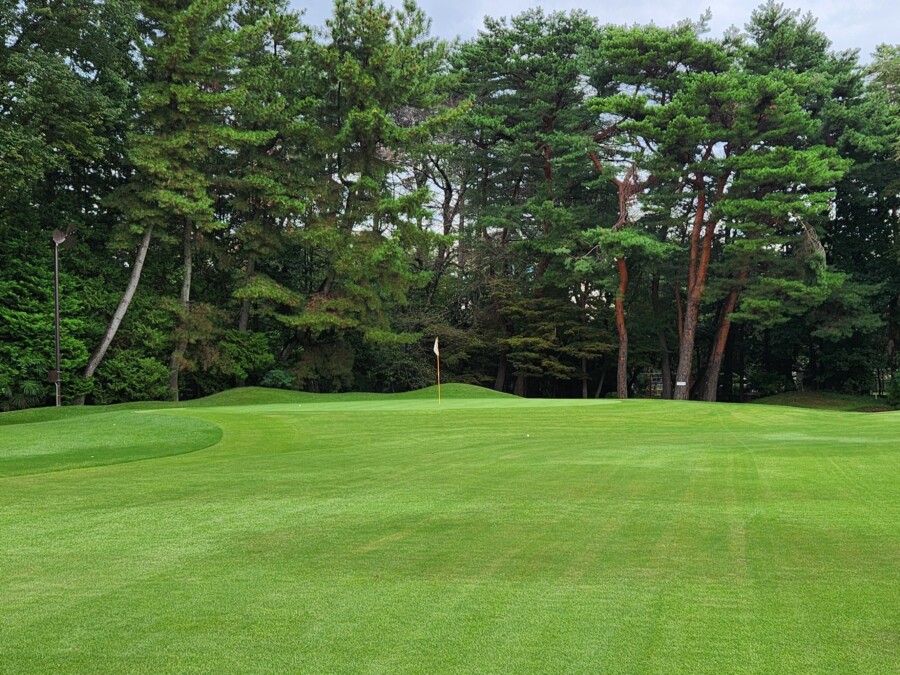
(268, 531)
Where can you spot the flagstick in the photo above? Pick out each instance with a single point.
(438, 357)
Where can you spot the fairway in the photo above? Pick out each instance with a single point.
(271, 531)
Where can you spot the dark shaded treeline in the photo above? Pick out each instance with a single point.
(575, 209)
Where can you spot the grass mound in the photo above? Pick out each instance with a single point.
(263, 396)
(454, 390)
(86, 440)
(51, 414)
(827, 401)
(249, 396)
(36, 415)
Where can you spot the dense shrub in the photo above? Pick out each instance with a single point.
(127, 375)
(277, 379)
(892, 394)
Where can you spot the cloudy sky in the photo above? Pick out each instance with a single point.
(851, 24)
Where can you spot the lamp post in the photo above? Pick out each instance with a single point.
(55, 375)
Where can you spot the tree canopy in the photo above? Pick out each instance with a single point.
(576, 209)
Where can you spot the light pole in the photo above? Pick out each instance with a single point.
(55, 375)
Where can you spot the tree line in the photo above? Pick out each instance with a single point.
(576, 209)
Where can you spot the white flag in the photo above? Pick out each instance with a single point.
(437, 348)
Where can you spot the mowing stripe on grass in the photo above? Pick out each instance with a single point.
(493, 535)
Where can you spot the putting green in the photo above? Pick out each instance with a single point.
(491, 534)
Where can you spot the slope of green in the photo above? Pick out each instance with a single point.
(85, 440)
(51, 414)
(251, 396)
(826, 401)
(489, 535)
(262, 395)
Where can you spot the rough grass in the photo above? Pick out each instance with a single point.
(493, 534)
(827, 401)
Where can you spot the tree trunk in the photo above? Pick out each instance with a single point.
(117, 317)
(665, 361)
(699, 266)
(742, 370)
(665, 365)
(449, 211)
(625, 188)
(812, 374)
(244, 318)
(462, 257)
(632, 383)
(293, 342)
(893, 334)
(679, 309)
(622, 329)
(686, 351)
(519, 389)
(584, 378)
(500, 380)
(600, 384)
(728, 369)
(714, 366)
(175, 362)
(548, 179)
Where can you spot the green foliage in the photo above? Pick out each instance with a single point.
(892, 395)
(632, 244)
(339, 192)
(374, 90)
(26, 394)
(127, 375)
(245, 354)
(66, 69)
(326, 367)
(260, 288)
(277, 379)
(27, 324)
(394, 367)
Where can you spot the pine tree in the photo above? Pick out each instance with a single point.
(188, 54)
(376, 74)
(531, 196)
(268, 177)
(729, 152)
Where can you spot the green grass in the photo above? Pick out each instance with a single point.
(74, 442)
(493, 534)
(827, 401)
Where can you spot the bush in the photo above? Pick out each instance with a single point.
(26, 395)
(129, 376)
(892, 393)
(388, 367)
(277, 379)
(246, 354)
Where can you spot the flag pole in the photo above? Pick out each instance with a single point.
(437, 355)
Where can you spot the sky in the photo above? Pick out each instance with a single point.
(850, 24)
